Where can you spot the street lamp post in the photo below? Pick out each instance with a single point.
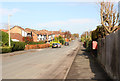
(9, 28)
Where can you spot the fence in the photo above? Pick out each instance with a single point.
(109, 54)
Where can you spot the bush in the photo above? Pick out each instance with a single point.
(89, 46)
(18, 46)
(6, 49)
(62, 41)
(28, 39)
(5, 38)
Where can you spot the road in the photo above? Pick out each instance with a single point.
(39, 64)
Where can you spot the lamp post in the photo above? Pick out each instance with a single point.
(9, 28)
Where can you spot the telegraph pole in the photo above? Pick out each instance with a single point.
(9, 28)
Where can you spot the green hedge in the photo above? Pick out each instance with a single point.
(18, 46)
(89, 46)
(62, 41)
(6, 49)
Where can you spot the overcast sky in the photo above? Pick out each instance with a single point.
(76, 17)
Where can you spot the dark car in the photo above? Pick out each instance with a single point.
(66, 43)
(56, 45)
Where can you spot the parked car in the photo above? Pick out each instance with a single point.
(56, 45)
(66, 43)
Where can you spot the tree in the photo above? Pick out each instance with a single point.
(76, 35)
(109, 17)
(61, 39)
(5, 38)
(67, 34)
(99, 32)
(86, 36)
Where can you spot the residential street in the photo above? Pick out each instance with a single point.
(40, 64)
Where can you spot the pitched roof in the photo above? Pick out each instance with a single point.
(16, 36)
(28, 30)
(18, 27)
(44, 32)
(3, 30)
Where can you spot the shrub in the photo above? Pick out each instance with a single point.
(18, 46)
(28, 39)
(62, 41)
(89, 46)
(4, 37)
(6, 49)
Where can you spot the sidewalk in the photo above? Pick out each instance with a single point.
(85, 67)
(20, 52)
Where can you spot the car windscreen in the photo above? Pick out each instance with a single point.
(54, 43)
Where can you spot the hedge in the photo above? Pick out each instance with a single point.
(37, 46)
(18, 46)
(5, 49)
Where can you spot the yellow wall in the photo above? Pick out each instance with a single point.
(16, 30)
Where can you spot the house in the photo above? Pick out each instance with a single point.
(29, 32)
(42, 35)
(32, 33)
(16, 37)
(18, 29)
(58, 33)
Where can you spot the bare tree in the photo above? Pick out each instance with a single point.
(109, 17)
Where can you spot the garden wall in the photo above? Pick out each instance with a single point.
(37, 46)
(109, 54)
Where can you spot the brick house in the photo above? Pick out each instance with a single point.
(32, 33)
(18, 29)
(14, 36)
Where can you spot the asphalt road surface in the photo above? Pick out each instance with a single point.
(49, 63)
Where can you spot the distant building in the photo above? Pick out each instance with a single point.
(42, 34)
(17, 34)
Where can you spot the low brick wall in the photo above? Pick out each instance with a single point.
(37, 46)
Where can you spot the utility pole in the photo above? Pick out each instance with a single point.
(9, 28)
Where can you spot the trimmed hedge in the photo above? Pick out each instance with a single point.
(18, 46)
(5, 49)
(37, 46)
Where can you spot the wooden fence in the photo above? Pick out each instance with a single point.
(109, 54)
